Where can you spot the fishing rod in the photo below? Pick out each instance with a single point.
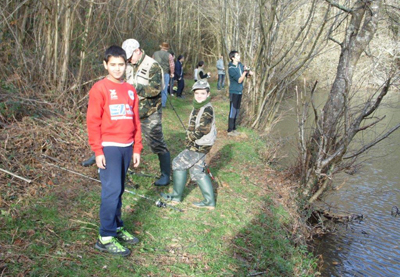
(183, 125)
(158, 202)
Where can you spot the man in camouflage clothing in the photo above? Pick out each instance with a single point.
(146, 75)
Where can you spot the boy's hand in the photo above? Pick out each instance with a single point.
(101, 161)
(136, 159)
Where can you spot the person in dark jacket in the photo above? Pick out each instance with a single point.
(179, 75)
(237, 74)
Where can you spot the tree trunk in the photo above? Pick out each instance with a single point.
(332, 134)
(66, 44)
(84, 45)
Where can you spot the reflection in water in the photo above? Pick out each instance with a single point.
(370, 247)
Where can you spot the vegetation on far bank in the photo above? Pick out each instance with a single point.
(49, 226)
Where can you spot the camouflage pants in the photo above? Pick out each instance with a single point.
(152, 132)
(194, 161)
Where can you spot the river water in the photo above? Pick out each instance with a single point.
(370, 247)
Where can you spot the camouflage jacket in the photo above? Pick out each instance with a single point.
(149, 95)
(193, 134)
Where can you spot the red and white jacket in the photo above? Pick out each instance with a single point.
(113, 116)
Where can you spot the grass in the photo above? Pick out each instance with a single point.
(52, 231)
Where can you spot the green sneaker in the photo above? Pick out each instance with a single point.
(125, 236)
(112, 246)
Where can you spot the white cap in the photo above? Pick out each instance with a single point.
(129, 46)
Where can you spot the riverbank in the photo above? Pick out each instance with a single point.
(49, 226)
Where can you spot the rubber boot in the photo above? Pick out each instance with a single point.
(179, 180)
(165, 166)
(207, 190)
(90, 161)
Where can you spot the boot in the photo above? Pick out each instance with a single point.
(208, 193)
(90, 161)
(165, 166)
(231, 125)
(179, 180)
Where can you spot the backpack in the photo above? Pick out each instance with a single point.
(209, 139)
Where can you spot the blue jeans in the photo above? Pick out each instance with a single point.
(221, 81)
(112, 187)
(164, 92)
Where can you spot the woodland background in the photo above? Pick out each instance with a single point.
(51, 54)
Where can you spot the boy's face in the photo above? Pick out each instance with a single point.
(236, 58)
(201, 95)
(116, 68)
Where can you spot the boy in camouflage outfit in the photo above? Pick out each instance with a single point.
(193, 156)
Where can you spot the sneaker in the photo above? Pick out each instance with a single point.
(124, 236)
(232, 133)
(112, 246)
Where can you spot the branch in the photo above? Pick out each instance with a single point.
(319, 192)
(340, 7)
(378, 100)
(334, 40)
(19, 177)
(366, 147)
(370, 125)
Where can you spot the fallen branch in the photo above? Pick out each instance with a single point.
(74, 172)
(19, 177)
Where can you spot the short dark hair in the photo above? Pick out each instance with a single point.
(232, 54)
(114, 51)
(180, 57)
(201, 63)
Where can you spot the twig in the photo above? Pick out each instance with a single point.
(147, 232)
(22, 178)
(74, 172)
(84, 222)
(51, 158)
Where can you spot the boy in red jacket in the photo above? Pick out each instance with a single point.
(115, 136)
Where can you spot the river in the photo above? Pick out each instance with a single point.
(370, 247)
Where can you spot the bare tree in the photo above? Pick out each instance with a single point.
(338, 122)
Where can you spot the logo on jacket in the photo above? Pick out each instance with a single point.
(113, 94)
(131, 95)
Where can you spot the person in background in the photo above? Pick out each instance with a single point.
(166, 61)
(196, 69)
(115, 137)
(200, 72)
(221, 73)
(171, 80)
(179, 75)
(237, 74)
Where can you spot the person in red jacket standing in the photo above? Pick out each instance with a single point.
(115, 137)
